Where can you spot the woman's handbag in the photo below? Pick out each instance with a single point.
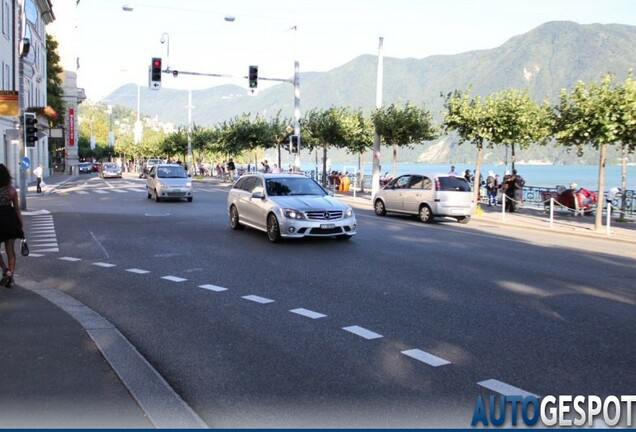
(24, 247)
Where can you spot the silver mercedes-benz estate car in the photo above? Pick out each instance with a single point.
(288, 206)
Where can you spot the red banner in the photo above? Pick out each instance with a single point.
(71, 127)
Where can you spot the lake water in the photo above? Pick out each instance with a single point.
(535, 175)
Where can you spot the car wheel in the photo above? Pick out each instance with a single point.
(379, 208)
(425, 214)
(157, 198)
(234, 219)
(273, 228)
(463, 219)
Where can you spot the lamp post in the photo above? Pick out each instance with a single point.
(165, 38)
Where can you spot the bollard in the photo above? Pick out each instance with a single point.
(503, 206)
(609, 217)
(551, 212)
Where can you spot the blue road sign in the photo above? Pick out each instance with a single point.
(26, 162)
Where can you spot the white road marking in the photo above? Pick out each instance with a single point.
(47, 250)
(35, 213)
(35, 255)
(173, 278)
(425, 357)
(81, 192)
(362, 332)
(70, 259)
(307, 313)
(39, 244)
(100, 191)
(258, 299)
(504, 389)
(137, 271)
(103, 264)
(213, 288)
(118, 190)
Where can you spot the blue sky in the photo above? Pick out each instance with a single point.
(115, 46)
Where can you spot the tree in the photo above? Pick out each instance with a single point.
(627, 133)
(590, 115)
(403, 126)
(54, 91)
(472, 120)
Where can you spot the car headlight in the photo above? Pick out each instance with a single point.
(189, 184)
(348, 212)
(293, 214)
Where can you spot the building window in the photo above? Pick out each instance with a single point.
(6, 20)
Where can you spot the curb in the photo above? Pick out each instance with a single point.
(158, 401)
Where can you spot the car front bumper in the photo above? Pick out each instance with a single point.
(295, 228)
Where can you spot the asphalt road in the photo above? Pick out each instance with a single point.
(402, 326)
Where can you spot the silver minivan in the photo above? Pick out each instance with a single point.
(427, 196)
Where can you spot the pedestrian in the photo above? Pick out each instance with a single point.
(519, 184)
(38, 175)
(276, 169)
(231, 169)
(11, 225)
(509, 187)
(491, 188)
(452, 171)
(468, 177)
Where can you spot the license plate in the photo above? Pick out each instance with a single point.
(176, 190)
(327, 226)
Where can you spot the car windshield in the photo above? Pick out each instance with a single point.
(110, 166)
(292, 186)
(451, 183)
(171, 172)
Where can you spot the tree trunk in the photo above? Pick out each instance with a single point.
(324, 166)
(361, 175)
(598, 221)
(512, 154)
(394, 160)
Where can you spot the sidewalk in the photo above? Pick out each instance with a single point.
(64, 366)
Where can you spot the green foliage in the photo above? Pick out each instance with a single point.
(54, 92)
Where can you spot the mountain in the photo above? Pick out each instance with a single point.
(546, 59)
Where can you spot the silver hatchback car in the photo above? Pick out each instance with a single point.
(168, 181)
(288, 206)
(427, 196)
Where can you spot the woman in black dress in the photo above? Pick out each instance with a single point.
(10, 224)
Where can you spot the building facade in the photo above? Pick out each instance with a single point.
(28, 43)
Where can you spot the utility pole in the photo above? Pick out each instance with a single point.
(375, 180)
(297, 112)
(21, 105)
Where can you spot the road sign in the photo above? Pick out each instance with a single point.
(26, 163)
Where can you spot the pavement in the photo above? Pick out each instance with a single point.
(62, 365)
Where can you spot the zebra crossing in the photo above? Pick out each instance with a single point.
(41, 236)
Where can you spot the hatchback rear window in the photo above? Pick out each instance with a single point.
(450, 183)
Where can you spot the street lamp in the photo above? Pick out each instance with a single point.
(165, 38)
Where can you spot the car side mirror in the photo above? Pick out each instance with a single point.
(258, 195)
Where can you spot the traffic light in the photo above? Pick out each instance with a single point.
(252, 77)
(155, 74)
(30, 129)
(294, 144)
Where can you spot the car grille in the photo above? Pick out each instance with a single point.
(324, 214)
(326, 231)
(176, 194)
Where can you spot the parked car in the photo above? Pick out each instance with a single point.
(427, 196)
(168, 181)
(85, 167)
(288, 206)
(109, 169)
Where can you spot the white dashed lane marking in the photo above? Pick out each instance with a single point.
(70, 259)
(173, 278)
(307, 313)
(103, 264)
(362, 332)
(258, 299)
(425, 357)
(137, 271)
(212, 288)
(504, 389)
